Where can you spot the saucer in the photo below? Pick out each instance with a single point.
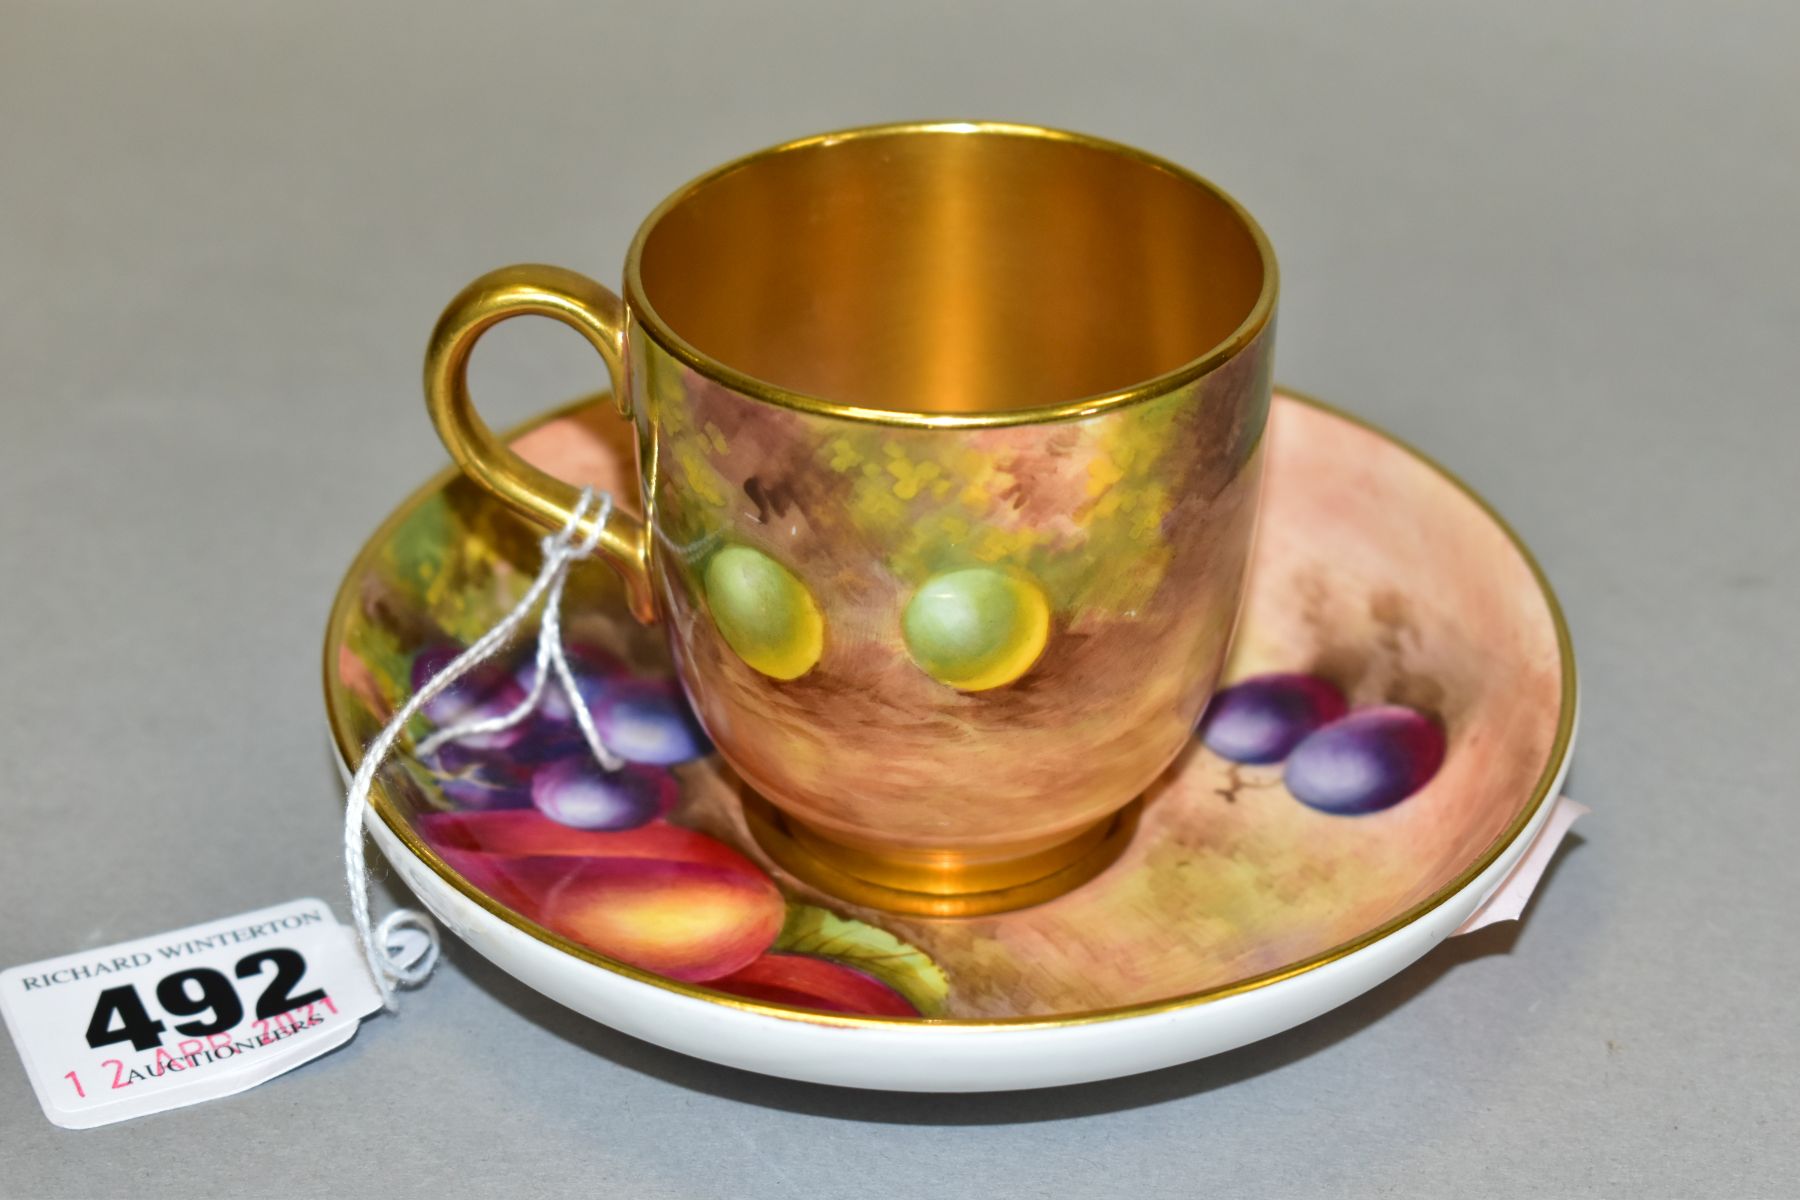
(1275, 872)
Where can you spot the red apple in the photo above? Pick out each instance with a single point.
(685, 920)
(808, 982)
(526, 831)
(659, 897)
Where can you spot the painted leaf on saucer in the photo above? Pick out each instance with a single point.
(824, 934)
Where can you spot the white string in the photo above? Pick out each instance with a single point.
(388, 962)
(551, 655)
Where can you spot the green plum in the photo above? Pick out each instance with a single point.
(764, 613)
(977, 628)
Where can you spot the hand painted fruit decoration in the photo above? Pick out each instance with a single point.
(686, 920)
(977, 628)
(648, 721)
(1346, 764)
(480, 780)
(808, 982)
(486, 691)
(579, 792)
(764, 613)
(1365, 762)
(587, 853)
(643, 720)
(1263, 718)
(544, 759)
(594, 671)
(659, 897)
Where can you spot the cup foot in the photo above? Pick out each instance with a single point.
(947, 887)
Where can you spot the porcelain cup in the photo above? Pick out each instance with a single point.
(948, 438)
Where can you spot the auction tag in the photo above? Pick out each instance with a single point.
(182, 1017)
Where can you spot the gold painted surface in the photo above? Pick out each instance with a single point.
(1133, 524)
(597, 315)
(953, 888)
(887, 354)
(962, 268)
(1215, 897)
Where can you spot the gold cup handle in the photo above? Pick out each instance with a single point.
(599, 316)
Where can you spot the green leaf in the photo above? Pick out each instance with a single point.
(904, 968)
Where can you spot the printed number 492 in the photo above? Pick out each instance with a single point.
(120, 1016)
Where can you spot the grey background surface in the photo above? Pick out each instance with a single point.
(1554, 244)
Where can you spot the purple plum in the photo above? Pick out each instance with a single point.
(580, 793)
(1263, 718)
(595, 671)
(648, 721)
(546, 742)
(486, 691)
(1366, 762)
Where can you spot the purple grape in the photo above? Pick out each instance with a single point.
(1263, 718)
(1370, 760)
(580, 793)
(648, 721)
(486, 691)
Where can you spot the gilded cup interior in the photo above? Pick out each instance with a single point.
(952, 269)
